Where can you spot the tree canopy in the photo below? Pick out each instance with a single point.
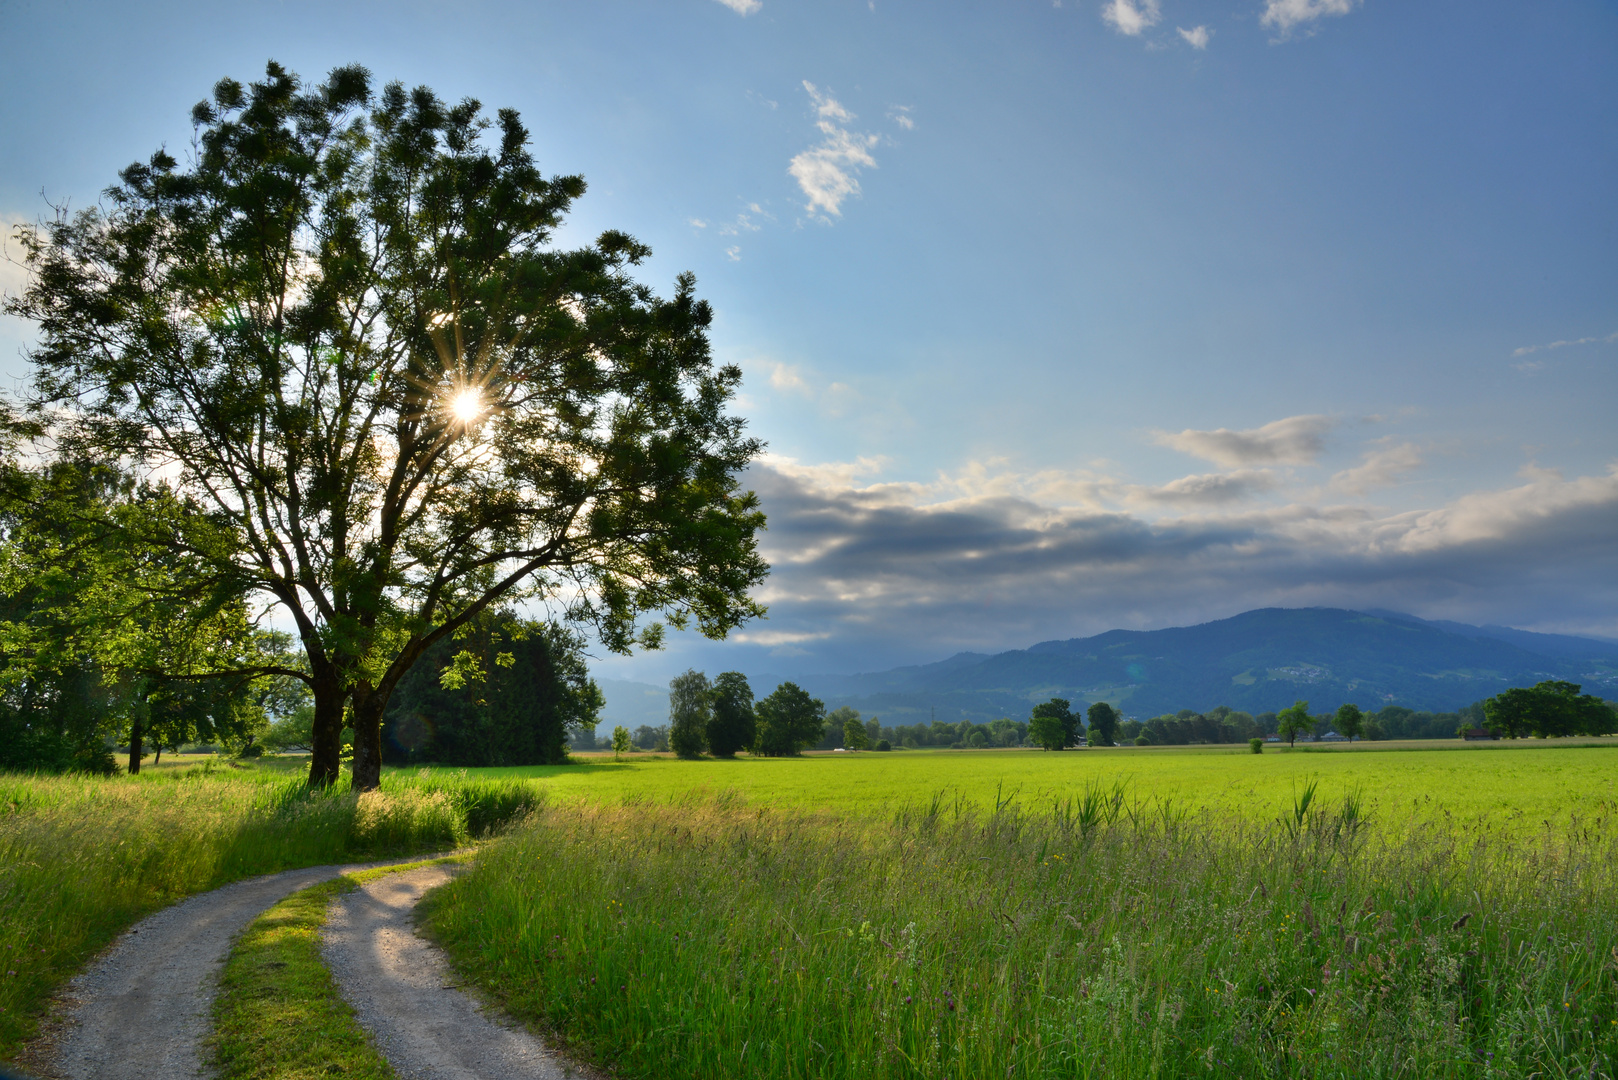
(732, 726)
(1549, 709)
(342, 340)
(788, 721)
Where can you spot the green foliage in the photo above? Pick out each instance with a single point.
(1104, 721)
(388, 400)
(710, 938)
(1549, 709)
(1349, 721)
(733, 726)
(1047, 731)
(883, 745)
(620, 740)
(1256, 745)
(509, 691)
(1058, 709)
(690, 710)
(1293, 721)
(789, 720)
(854, 735)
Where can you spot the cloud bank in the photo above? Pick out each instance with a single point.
(863, 569)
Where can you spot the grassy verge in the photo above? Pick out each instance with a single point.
(278, 1015)
(83, 858)
(1104, 938)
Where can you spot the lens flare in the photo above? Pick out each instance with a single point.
(466, 406)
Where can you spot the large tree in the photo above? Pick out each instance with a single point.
(732, 726)
(341, 334)
(789, 720)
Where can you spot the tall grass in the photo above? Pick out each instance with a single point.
(1098, 937)
(82, 858)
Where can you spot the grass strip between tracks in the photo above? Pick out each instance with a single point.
(279, 1015)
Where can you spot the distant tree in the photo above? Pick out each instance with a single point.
(1256, 745)
(883, 745)
(836, 721)
(690, 709)
(732, 726)
(1294, 721)
(873, 731)
(1104, 719)
(1350, 721)
(620, 741)
(1060, 709)
(854, 734)
(1047, 731)
(788, 721)
(652, 738)
(1549, 709)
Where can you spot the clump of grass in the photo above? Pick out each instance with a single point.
(279, 1015)
(82, 858)
(1107, 937)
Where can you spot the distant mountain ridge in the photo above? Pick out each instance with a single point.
(1257, 661)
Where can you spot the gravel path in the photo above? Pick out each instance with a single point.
(405, 994)
(140, 1011)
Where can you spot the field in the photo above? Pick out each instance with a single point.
(1511, 785)
(1418, 910)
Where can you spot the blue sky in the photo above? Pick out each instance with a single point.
(1056, 317)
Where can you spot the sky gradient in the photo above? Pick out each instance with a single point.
(1055, 317)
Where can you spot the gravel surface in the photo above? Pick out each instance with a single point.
(140, 1010)
(406, 995)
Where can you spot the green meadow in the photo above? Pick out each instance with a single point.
(1386, 910)
(1509, 785)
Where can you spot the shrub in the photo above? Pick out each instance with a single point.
(1256, 745)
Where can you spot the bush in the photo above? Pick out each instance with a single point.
(883, 744)
(1256, 745)
(1142, 740)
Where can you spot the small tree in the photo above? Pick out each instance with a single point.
(789, 720)
(733, 725)
(1292, 722)
(1256, 745)
(1059, 709)
(620, 741)
(1047, 731)
(690, 709)
(854, 734)
(1350, 721)
(1104, 721)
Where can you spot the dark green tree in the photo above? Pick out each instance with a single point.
(1104, 721)
(1060, 709)
(344, 331)
(1293, 721)
(1349, 721)
(1549, 709)
(854, 734)
(788, 721)
(508, 691)
(1047, 730)
(690, 710)
(733, 726)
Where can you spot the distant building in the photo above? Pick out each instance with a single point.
(1332, 736)
(1474, 734)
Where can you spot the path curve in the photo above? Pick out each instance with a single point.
(404, 991)
(140, 1011)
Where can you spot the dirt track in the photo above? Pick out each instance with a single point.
(404, 992)
(140, 1010)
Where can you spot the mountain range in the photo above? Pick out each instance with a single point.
(1258, 661)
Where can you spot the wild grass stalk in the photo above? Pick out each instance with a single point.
(1102, 937)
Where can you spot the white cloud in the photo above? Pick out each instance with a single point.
(733, 253)
(1209, 488)
(1196, 37)
(746, 221)
(743, 7)
(900, 114)
(1527, 350)
(786, 377)
(1286, 15)
(1380, 468)
(827, 173)
(1131, 17)
(698, 223)
(1296, 440)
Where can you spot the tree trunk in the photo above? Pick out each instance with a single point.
(325, 748)
(135, 749)
(368, 708)
(157, 757)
